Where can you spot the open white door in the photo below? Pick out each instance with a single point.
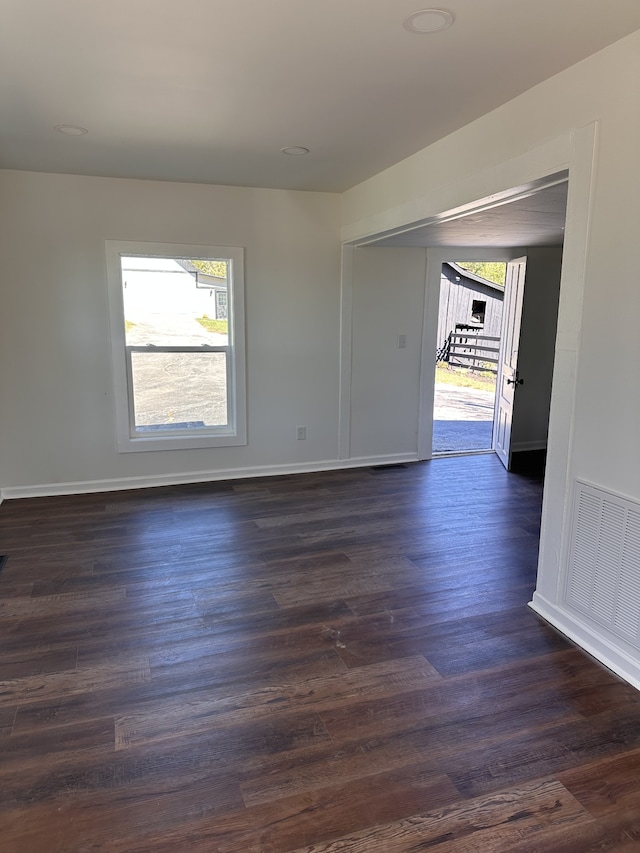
(508, 379)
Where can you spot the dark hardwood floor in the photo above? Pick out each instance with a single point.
(328, 662)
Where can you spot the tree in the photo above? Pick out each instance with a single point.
(216, 268)
(494, 271)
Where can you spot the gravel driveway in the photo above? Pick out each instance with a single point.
(178, 389)
(462, 419)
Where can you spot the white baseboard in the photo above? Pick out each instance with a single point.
(590, 638)
(524, 446)
(151, 481)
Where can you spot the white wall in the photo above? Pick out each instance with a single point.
(587, 119)
(57, 420)
(537, 348)
(388, 296)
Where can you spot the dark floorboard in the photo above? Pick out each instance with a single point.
(339, 661)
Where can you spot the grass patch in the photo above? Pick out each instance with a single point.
(221, 327)
(464, 378)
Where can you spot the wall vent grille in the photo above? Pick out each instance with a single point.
(603, 580)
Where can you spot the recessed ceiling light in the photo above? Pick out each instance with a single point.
(429, 21)
(294, 150)
(71, 129)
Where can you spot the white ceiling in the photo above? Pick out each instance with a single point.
(210, 90)
(524, 216)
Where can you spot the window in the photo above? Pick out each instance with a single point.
(478, 310)
(221, 304)
(178, 364)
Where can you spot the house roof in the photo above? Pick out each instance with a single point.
(210, 91)
(473, 277)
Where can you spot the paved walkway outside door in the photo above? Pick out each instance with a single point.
(462, 419)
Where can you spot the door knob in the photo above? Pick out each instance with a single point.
(515, 381)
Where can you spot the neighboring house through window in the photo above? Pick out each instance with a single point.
(179, 373)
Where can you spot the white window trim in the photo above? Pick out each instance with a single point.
(235, 432)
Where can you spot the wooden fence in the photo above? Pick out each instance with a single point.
(477, 352)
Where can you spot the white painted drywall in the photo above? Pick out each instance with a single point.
(388, 296)
(57, 421)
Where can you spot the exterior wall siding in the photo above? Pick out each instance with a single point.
(457, 294)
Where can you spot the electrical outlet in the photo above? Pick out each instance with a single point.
(301, 433)
(402, 341)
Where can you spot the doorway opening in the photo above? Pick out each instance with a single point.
(467, 359)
